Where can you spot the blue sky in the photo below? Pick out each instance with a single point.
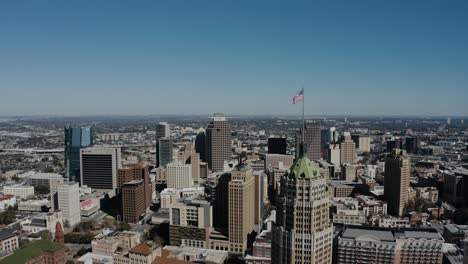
(376, 57)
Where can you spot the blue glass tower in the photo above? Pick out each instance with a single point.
(75, 139)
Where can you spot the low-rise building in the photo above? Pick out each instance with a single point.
(40, 251)
(8, 241)
(19, 190)
(197, 255)
(7, 200)
(34, 205)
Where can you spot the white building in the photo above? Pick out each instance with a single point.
(21, 191)
(7, 201)
(179, 175)
(69, 203)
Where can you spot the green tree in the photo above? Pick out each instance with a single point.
(42, 189)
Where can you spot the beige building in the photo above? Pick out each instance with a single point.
(312, 137)
(8, 241)
(179, 175)
(107, 245)
(188, 155)
(396, 185)
(218, 142)
(241, 207)
(347, 149)
(302, 232)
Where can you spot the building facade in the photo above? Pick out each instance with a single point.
(99, 167)
(218, 142)
(76, 138)
(396, 185)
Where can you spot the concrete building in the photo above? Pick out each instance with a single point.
(8, 241)
(385, 245)
(179, 175)
(200, 144)
(346, 210)
(69, 203)
(188, 155)
(19, 190)
(133, 201)
(278, 160)
(163, 130)
(7, 200)
(349, 172)
(136, 172)
(44, 179)
(165, 151)
(312, 140)
(43, 221)
(334, 155)
(99, 167)
(347, 149)
(196, 255)
(241, 207)
(220, 199)
(218, 142)
(397, 175)
(302, 232)
(362, 143)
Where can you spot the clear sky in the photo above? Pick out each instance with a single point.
(376, 57)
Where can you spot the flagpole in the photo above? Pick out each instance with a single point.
(303, 119)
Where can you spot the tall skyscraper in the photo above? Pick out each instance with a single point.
(163, 130)
(136, 172)
(241, 207)
(277, 146)
(75, 139)
(200, 145)
(312, 140)
(347, 149)
(69, 203)
(412, 144)
(302, 232)
(165, 151)
(218, 142)
(187, 155)
(396, 181)
(220, 200)
(99, 167)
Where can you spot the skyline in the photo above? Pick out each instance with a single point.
(244, 58)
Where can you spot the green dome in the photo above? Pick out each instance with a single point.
(303, 168)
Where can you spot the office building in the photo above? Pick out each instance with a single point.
(312, 140)
(218, 142)
(136, 172)
(179, 175)
(133, 201)
(302, 232)
(347, 149)
(456, 186)
(44, 179)
(334, 155)
(76, 138)
(362, 143)
(99, 167)
(396, 185)
(412, 145)
(19, 190)
(165, 151)
(277, 146)
(349, 172)
(278, 161)
(69, 203)
(241, 207)
(8, 241)
(325, 137)
(200, 143)
(188, 155)
(387, 245)
(220, 200)
(163, 130)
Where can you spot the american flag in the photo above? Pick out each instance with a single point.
(299, 96)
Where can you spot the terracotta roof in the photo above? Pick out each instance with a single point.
(142, 249)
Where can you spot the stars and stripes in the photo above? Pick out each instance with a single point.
(299, 96)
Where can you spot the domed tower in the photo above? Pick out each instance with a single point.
(59, 236)
(302, 232)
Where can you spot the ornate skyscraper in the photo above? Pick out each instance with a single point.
(302, 232)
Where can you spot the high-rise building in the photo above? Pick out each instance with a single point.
(312, 140)
(220, 200)
(136, 172)
(325, 137)
(218, 142)
(412, 144)
(277, 146)
(334, 155)
(99, 167)
(75, 139)
(165, 154)
(347, 149)
(241, 207)
(133, 201)
(362, 143)
(69, 203)
(396, 181)
(179, 175)
(302, 232)
(163, 130)
(200, 145)
(188, 155)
